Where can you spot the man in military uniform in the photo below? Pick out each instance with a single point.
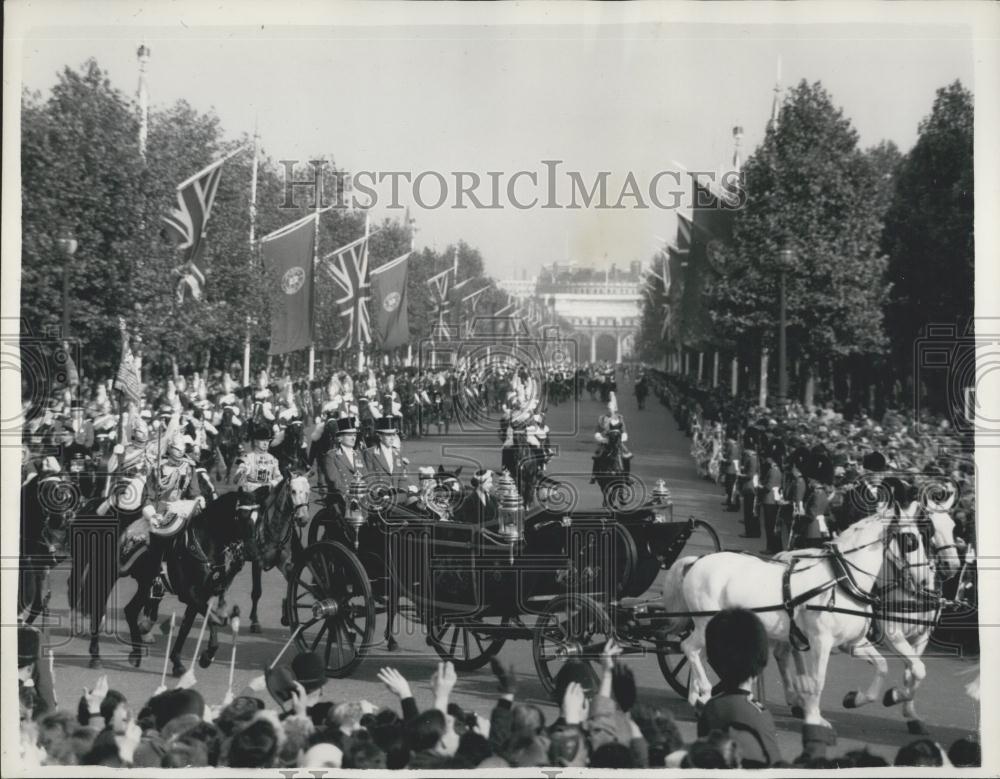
(731, 470)
(343, 463)
(749, 478)
(258, 467)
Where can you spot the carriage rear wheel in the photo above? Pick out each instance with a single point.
(464, 642)
(674, 664)
(572, 626)
(330, 599)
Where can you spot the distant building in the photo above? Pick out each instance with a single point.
(603, 308)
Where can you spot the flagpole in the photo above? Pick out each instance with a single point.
(253, 224)
(413, 246)
(361, 343)
(312, 342)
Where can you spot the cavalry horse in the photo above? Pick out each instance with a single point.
(611, 471)
(283, 509)
(201, 561)
(810, 602)
(48, 502)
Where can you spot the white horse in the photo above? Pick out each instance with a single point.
(910, 606)
(708, 584)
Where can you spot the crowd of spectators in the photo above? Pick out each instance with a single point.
(600, 723)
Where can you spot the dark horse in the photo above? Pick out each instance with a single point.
(47, 504)
(278, 545)
(529, 467)
(611, 470)
(201, 562)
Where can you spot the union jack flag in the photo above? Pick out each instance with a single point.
(348, 267)
(185, 225)
(442, 303)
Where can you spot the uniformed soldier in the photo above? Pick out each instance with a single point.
(749, 480)
(606, 423)
(731, 470)
(258, 467)
(812, 529)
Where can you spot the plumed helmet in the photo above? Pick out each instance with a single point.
(176, 446)
(140, 431)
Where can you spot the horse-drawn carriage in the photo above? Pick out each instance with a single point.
(562, 580)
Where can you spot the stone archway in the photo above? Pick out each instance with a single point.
(606, 347)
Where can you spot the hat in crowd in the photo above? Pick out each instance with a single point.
(736, 645)
(261, 432)
(386, 424)
(346, 425)
(28, 645)
(175, 703)
(307, 669)
(574, 671)
(874, 461)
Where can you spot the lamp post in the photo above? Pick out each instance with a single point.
(785, 257)
(67, 245)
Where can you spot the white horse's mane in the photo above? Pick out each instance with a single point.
(859, 528)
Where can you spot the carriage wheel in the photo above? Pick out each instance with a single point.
(703, 539)
(572, 626)
(330, 596)
(460, 642)
(321, 528)
(674, 665)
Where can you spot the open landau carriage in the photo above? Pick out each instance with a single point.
(565, 581)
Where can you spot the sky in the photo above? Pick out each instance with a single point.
(621, 98)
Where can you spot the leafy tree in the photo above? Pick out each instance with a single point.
(808, 186)
(929, 227)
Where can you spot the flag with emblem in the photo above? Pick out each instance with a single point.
(348, 267)
(392, 326)
(288, 262)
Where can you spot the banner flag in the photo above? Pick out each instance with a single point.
(348, 267)
(392, 326)
(288, 261)
(127, 381)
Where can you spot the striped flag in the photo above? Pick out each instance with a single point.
(439, 285)
(185, 224)
(127, 381)
(348, 267)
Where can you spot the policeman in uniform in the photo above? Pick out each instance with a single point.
(605, 424)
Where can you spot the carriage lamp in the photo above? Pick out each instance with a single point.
(511, 512)
(663, 502)
(355, 514)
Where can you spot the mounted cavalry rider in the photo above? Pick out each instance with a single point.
(513, 427)
(258, 467)
(606, 423)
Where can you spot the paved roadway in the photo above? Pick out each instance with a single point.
(660, 452)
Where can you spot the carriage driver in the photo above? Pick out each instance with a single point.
(605, 424)
(258, 467)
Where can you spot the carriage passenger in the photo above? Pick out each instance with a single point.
(343, 462)
(480, 507)
(385, 460)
